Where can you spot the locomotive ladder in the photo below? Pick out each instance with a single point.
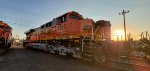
(87, 53)
(87, 49)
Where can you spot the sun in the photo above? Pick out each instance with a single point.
(119, 33)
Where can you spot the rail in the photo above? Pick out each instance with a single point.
(127, 66)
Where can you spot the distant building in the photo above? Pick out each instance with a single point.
(17, 40)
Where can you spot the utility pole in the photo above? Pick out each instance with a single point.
(123, 13)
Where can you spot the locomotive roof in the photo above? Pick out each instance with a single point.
(49, 23)
(46, 25)
(102, 23)
(2, 24)
(68, 13)
(32, 30)
(29, 31)
(42, 26)
(58, 17)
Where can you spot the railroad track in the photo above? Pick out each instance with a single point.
(125, 66)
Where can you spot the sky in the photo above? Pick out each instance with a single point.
(23, 15)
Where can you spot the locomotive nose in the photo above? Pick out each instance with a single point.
(87, 24)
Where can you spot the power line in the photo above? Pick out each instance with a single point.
(17, 20)
(12, 18)
(133, 8)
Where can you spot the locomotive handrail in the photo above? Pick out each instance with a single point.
(83, 39)
(93, 36)
(91, 39)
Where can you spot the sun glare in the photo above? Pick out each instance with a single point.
(119, 33)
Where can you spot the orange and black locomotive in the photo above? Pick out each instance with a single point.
(71, 34)
(5, 35)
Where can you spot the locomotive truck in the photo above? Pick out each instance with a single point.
(71, 34)
(5, 35)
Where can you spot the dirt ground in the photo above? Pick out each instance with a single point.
(18, 58)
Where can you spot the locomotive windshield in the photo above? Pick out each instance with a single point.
(5, 28)
(74, 16)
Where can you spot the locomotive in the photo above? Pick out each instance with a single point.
(71, 34)
(5, 35)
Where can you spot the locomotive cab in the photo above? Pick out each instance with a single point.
(77, 25)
